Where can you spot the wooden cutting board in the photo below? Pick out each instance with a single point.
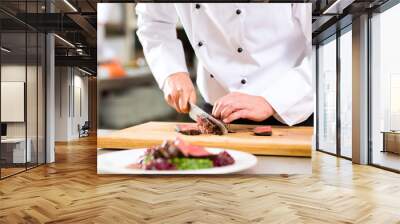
(285, 141)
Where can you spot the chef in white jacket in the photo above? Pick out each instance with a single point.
(254, 58)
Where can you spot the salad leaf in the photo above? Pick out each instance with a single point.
(191, 163)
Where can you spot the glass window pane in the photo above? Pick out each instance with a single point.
(346, 94)
(41, 98)
(22, 88)
(13, 87)
(385, 114)
(31, 97)
(32, 85)
(327, 96)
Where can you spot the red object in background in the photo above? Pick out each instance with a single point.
(114, 69)
(263, 130)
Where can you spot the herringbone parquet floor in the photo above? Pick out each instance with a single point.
(70, 191)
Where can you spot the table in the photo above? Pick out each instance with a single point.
(391, 141)
(16, 153)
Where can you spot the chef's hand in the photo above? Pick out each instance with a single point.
(235, 105)
(179, 91)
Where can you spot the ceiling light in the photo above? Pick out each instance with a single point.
(70, 5)
(337, 7)
(5, 50)
(65, 41)
(84, 71)
(80, 51)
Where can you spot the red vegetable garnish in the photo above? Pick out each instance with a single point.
(159, 164)
(223, 159)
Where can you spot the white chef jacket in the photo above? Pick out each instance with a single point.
(254, 48)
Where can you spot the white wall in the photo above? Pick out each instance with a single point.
(62, 81)
(80, 110)
(71, 93)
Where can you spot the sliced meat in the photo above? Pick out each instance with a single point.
(197, 151)
(188, 129)
(263, 130)
(206, 126)
(190, 150)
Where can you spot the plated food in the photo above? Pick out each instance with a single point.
(127, 162)
(179, 155)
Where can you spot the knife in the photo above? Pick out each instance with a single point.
(197, 111)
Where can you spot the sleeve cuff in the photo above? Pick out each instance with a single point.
(291, 97)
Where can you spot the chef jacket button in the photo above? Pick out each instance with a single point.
(200, 44)
(240, 49)
(197, 6)
(243, 81)
(211, 75)
(238, 11)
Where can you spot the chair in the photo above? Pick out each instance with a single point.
(84, 130)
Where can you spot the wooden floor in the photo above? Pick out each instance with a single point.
(387, 159)
(10, 171)
(70, 191)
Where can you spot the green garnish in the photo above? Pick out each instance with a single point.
(191, 163)
(148, 158)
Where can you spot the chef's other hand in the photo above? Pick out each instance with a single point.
(179, 91)
(235, 105)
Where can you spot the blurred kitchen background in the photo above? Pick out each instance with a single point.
(128, 93)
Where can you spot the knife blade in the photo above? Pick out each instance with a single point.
(197, 111)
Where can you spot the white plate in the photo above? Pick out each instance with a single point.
(117, 163)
